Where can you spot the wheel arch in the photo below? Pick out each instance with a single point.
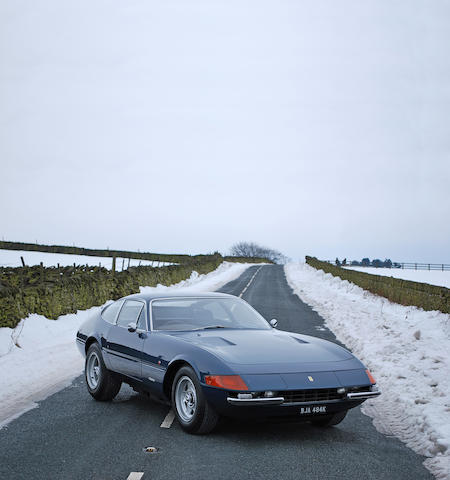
(89, 342)
(171, 371)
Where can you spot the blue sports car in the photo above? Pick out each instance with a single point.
(213, 355)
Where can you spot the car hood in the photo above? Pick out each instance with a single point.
(267, 347)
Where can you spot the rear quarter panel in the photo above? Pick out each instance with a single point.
(93, 329)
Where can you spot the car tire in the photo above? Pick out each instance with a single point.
(102, 384)
(191, 408)
(330, 420)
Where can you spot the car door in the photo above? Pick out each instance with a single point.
(154, 361)
(156, 354)
(109, 315)
(125, 346)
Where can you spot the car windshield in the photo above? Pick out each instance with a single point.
(205, 313)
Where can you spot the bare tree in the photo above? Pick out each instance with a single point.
(252, 249)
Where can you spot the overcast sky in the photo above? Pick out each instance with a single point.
(313, 127)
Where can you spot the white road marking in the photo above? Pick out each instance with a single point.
(135, 476)
(167, 422)
(248, 284)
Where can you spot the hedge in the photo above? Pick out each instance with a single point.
(405, 292)
(56, 291)
(246, 259)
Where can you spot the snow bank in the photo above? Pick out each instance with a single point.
(406, 348)
(226, 272)
(39, 356)
(11, 258)
(433, 277)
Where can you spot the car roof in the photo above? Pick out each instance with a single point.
(178, 294)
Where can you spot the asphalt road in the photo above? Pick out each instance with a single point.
(71, 436)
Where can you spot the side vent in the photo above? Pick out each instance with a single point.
(298, 340)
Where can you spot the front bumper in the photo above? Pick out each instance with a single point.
(364, 395)
(285, 403)
(281, 400)
(255, 401)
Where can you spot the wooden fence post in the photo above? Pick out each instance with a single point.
(114, 264)
(23, 261)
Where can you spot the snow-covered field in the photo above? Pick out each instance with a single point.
(11, 258)
(407, 350)
(39, 356)
(433, 277)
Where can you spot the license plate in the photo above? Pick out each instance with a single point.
(313, 409)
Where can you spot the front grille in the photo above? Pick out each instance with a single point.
(316, 395)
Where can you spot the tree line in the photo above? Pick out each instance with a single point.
(366, 262)
(252, 249)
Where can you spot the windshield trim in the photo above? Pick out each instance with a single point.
(200, 297)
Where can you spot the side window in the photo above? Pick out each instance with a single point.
(130, 312)
(142, 324)
(110, 312)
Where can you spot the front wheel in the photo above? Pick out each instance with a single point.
(190, 405)
(330, 420)
(101, 383)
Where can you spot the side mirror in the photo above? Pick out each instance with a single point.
(274, 322)
(131, 327)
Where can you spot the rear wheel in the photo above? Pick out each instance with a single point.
(330, 420)
(190, 405)
(102, 384)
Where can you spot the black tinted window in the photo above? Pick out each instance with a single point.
(129, 313)
(110, 312)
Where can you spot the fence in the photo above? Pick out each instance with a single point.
(401, 265)
(161, 257)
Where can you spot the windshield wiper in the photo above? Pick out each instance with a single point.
(210, 327)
